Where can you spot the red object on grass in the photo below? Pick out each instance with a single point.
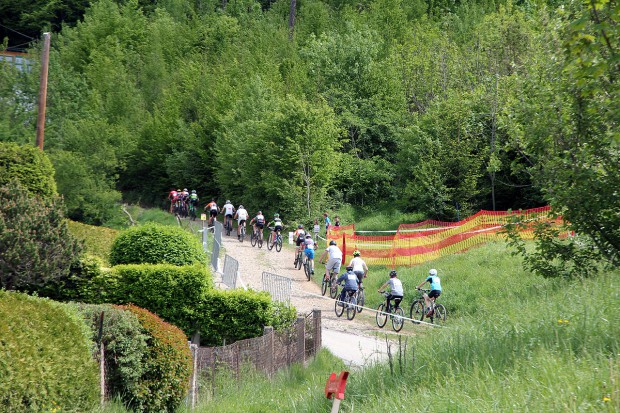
(335, 385)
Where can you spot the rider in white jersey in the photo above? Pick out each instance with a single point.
(228, 210)
(242, 216)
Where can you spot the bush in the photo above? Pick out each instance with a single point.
(45, 357)
(167, 366)
(156, 244)
(97, 241)
(232, 315)
(125, 344)
(173, 293)
(36, 248)
(29, 166)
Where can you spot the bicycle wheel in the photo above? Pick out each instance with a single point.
(307, 268)
(439, 314)
(381, 317)
(351, 307)
(417, 310)
(228, 228)
(339, 308)
(397, 320)
(279, 244)
(324, 286)
(270, 241)
(300, 262)
(242, 234)
(260, 240)
(253, 239)
(333, 288)
(361, 300)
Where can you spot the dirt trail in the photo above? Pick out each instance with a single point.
(355, 341)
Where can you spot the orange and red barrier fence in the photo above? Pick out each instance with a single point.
(416, 243)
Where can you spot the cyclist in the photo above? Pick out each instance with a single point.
(396, 289)
(228, 210)
(258, 222)
(193, 200)
(335, 258)
(241, 215)
(309, 251)
(172, 197)
(299, 236)
(350, 283)
(277, 227)
(359, 267)
(213, 211)
(435, 292)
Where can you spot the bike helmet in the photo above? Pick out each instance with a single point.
(260, 213)
(240, 206)
(308, 236)
(193, 191)
(276, 215)
(432, 272)
(228, 201)
(356, 253)
(332, 242)
(184, 189)
(300, 226)
(349, 268)
(393, 273)
(178, 190)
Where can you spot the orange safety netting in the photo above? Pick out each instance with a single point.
(416, 243)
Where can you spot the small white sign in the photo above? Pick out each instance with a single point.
(203, 217)
(290, 238)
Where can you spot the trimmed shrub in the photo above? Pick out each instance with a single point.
(233, 315)
(29, 166)
(36, 248)
(125, 342)
(167, 365)
(157, 244)
(96, 240)
(173, 293)
(46, 362)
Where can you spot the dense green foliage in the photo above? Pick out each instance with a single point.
(514, 341)
(36, 248)
(173, 293)
(29, 166)
(232, 315)
(126, 345)
(167, 366)
(156, 244)
(96, 241)
(45, 357)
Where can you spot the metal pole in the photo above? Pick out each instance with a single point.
(45, 58)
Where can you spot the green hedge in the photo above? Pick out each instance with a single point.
(29, 166)
(46, 362)
(167, 364)
(126, 348)
(157, 244)
(173, 293)
(232, 315)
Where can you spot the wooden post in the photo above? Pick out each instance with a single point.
(291, 19)
(102, 373)
(45, 57)
(316, 319)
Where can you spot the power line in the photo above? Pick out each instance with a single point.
(21, 34)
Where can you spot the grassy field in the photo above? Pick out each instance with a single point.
(514, 342)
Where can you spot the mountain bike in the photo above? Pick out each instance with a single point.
(192, 211)
(349, 303)
(418, 311)
(307, 268)
(241, 233)
(274, 243)
(330, 282)
(298, 260)
(253, 238)
(228, 225)
(394, 312)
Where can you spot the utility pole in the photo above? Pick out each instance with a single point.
(45, 58)
(291, 19)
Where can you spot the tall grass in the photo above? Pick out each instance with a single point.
(381, 219)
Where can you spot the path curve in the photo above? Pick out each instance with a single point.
(355, 341)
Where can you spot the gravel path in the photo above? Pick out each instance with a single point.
(355, 341)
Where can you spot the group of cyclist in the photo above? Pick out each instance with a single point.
(182, 202)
